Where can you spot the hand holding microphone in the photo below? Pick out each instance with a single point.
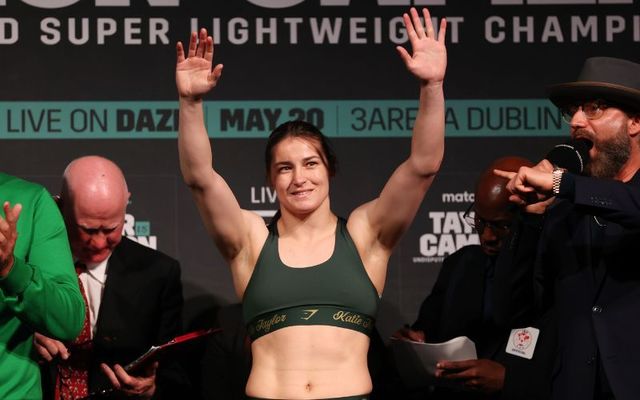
(533, 187)
(572, 156)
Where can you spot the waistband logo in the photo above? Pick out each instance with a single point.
(352, 318)
(308, 314)
(266, 325)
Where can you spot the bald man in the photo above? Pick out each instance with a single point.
(133, 293)
(460, 304)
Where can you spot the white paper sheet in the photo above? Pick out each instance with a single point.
(416, 361)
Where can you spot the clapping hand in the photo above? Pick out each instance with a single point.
(8, 236)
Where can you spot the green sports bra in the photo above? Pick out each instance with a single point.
(337, 292)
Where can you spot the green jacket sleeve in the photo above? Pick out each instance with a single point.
(42, 288)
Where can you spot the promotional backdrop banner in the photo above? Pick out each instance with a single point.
(97, 77)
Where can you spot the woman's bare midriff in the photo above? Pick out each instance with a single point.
(309, 362)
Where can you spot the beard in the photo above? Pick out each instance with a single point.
(611, 156)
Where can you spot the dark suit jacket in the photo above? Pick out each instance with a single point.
(226, 363)
(141, 306)
(455, 307)
(588, 275)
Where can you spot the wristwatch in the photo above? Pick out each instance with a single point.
(557, 179)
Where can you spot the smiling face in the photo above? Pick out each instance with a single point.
(299, 175)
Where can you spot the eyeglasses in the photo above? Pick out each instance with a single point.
(592, 109)
(499, 228)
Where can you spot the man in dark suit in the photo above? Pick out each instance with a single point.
(582, 254)
(133, 293)
(461, 304)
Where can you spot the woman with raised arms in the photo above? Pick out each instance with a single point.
(310, 282)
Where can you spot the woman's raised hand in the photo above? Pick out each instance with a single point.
(429, 59)
(194, 76)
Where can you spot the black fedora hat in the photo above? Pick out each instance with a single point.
(606, 78)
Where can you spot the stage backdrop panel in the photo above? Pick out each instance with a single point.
(96, 77)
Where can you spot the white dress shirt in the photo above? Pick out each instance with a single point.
(93, 281)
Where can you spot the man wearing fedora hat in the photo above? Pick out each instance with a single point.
(573, 254)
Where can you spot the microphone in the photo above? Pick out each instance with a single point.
(572, 155)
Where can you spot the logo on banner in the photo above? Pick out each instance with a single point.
(556, 2)
(331, 3)
(406, 3)
(323, 3)
(543, 25)
(264, 196)
(139, 231)
(98, 3)
(449, 232)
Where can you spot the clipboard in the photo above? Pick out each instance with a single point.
(173, 346)
(158, 353)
